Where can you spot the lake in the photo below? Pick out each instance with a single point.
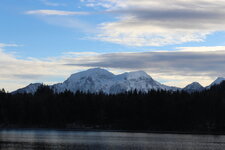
(88, 140)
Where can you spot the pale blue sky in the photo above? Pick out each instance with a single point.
(39, 34)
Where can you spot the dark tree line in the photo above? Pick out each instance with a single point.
(153, 111)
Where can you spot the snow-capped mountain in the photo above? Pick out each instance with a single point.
(92, 80)
(193, 87)
(100, 80)
(216, 82)
(31, 88)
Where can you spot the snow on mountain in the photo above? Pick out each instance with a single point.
(92, 80)
(139, 81)
(133, 80)
(216, 82)
(31, 88)
(193, 87)
(100, 80)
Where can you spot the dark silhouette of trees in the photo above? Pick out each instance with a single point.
(154, 111)
(2, 90)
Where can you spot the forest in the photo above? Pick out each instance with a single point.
(153, 111)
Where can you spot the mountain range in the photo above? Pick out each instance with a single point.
(100, 80)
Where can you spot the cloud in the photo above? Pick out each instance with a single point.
(28, 76)
(172, 68)
(147, 22)
(63, 19)
(183, 63)
(161, 22)
(16, 72)
(78, 54)
(48, 3)
(2, 45)
(55, 12)
(201, 49)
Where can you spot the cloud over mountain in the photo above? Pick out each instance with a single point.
(172, 68)
(182, 63)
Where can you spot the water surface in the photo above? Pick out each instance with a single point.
(74, 140)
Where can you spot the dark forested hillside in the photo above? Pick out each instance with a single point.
(152, 111)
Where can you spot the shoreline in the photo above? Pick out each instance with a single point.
(110, 130)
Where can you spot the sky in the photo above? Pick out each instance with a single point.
(175, 41)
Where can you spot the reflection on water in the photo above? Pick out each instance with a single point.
(66, 140)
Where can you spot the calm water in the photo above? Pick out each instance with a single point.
(66, 140)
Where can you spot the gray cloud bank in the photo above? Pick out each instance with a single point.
(175, 18)
(168, 63)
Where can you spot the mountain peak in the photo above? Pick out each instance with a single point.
(217, 81)
(195, 84)
(93, 72)
(138, 73)
(98, 69)
(220, 78)
(35, 84)
(135, 75)
(193, 87)
(31, 88)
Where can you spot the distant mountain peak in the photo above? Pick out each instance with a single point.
(97, 70)
(135, 75)
(35, 84)
(31, 88)
(138, 74)
(195, 84)
(217, 81)
(193, 87)
(94, 72)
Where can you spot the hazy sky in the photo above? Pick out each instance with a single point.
(175, 41)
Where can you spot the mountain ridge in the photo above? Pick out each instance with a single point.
(193, 87)
(97, 80)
